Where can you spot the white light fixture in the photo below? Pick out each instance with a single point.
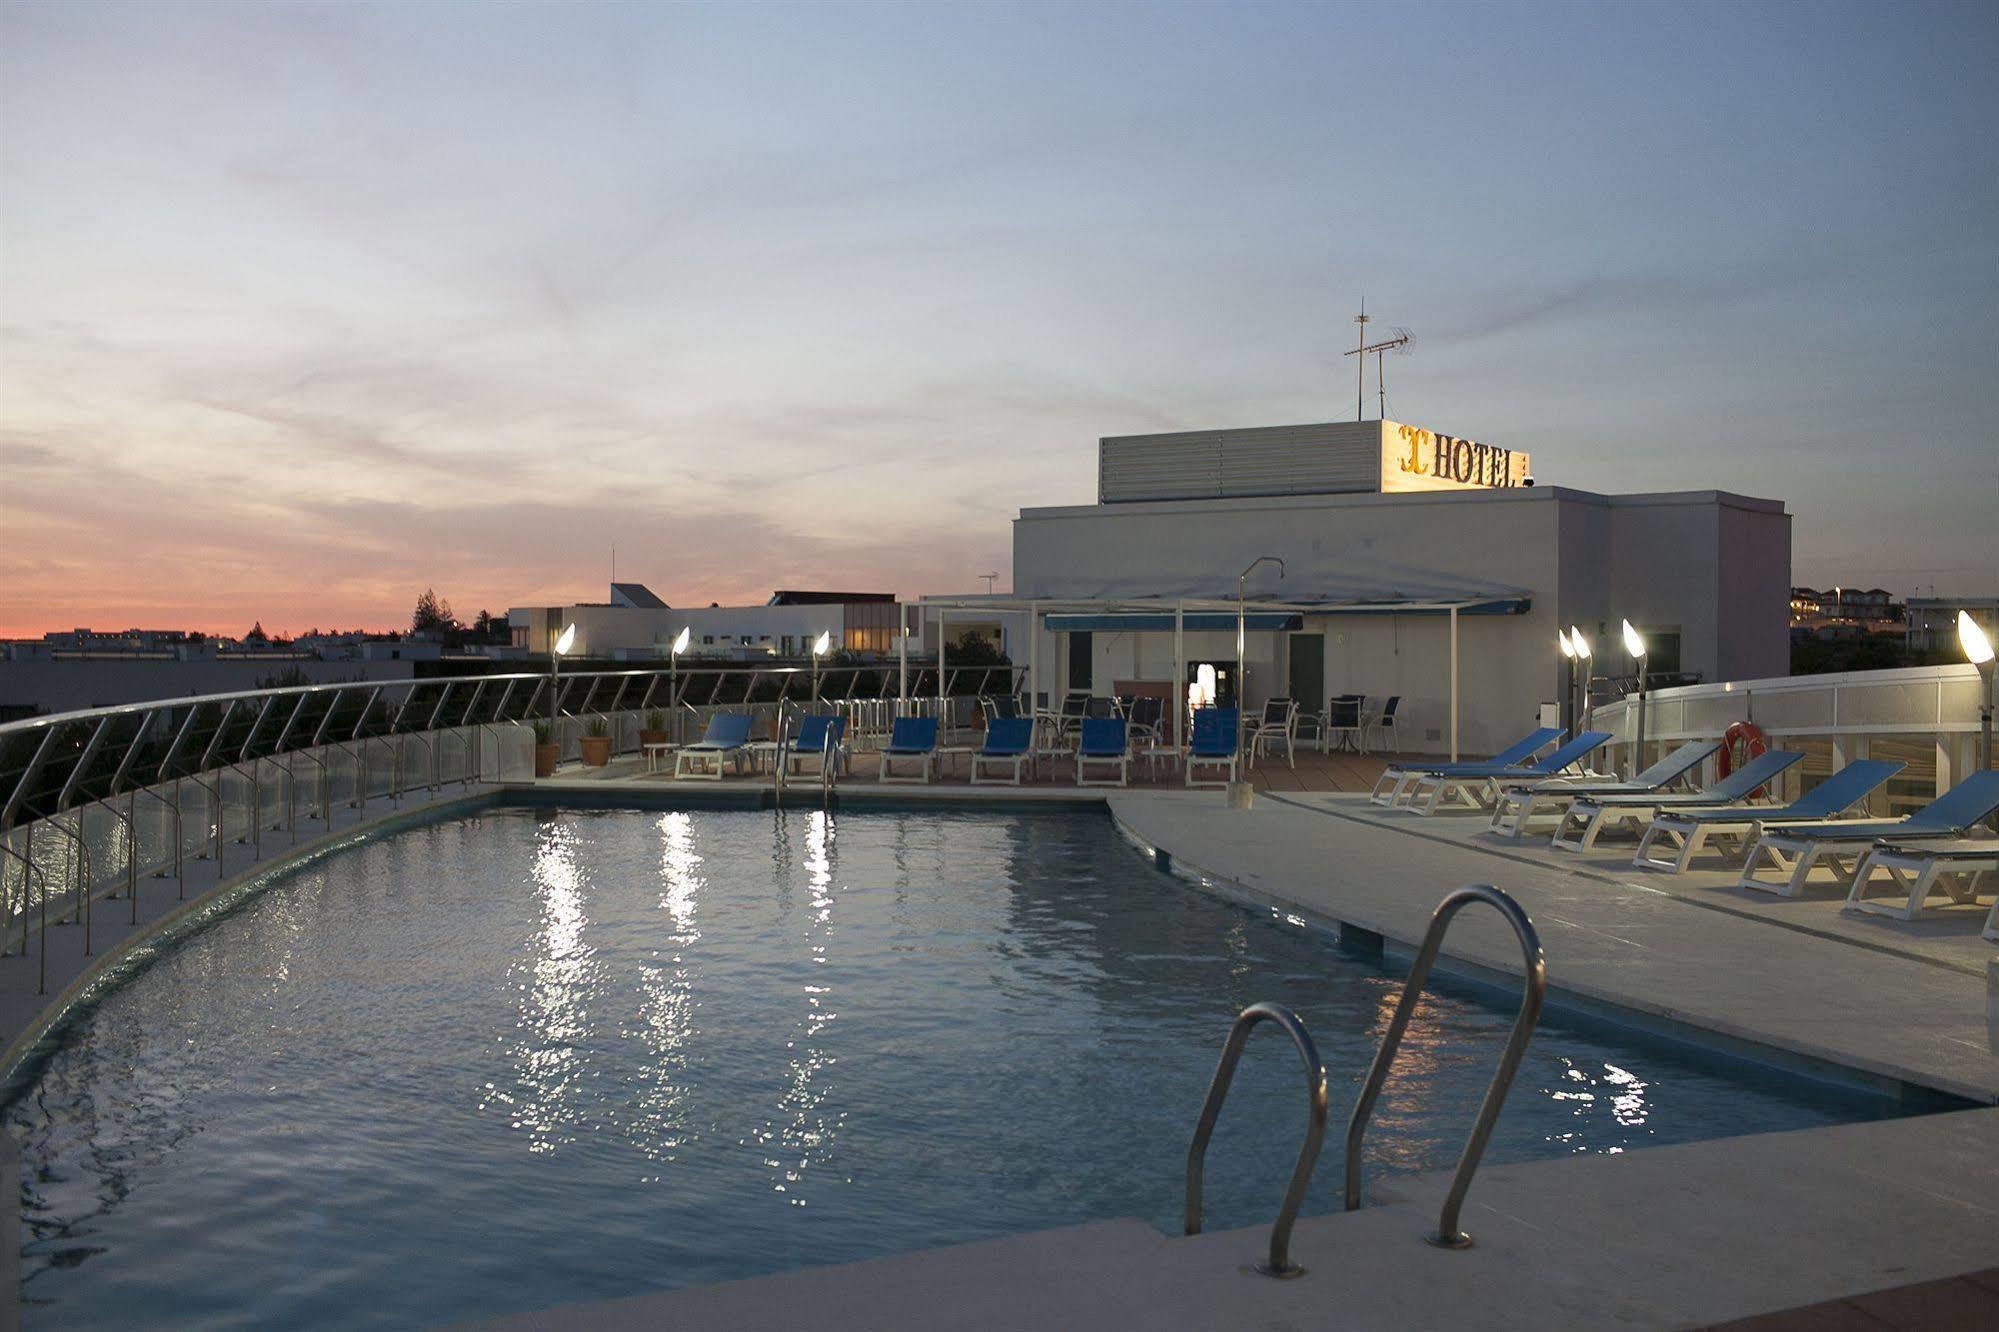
(1562, 641)
(1977, 647)
(680, 642)
(1581, 643)
(1634, 642)
(821, 643)
(565, 641)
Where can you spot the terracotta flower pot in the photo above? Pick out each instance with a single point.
(596, 750)
(654, 738)
(544, 759)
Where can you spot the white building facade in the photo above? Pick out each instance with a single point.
(1369, 532)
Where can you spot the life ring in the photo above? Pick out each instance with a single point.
(1740, 743)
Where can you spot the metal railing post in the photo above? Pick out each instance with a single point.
(1448, 1235)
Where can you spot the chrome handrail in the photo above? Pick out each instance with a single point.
(1279, 1263)
(1447, 1235)
(30, 869)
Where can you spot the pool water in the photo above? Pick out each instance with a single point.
(525, 1058)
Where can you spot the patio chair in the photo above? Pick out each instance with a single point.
(1009, 741)
(1590, 815)
(1918, 868)
(1520, 802)
(1796, 849)
(1000, 707)
(1104, 740)
(910, 738)
(1470, 785)
(819, 737)
(1691, 829)
(1144, 717)
(1214, 744)
(1277, 726)
(727, 738)
(1343, 723)
(1382, 724)
(1397, 778)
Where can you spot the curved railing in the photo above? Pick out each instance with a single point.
(1279, 1264)
(94, 799)
(1448, 1235)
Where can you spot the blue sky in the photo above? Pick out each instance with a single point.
(303, 307)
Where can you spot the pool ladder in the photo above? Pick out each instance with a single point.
(828, 760)
(1447, 1235)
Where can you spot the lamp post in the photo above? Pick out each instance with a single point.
(1581, 645)
(1634, 643)
(819, 646)
(680, 642)
(1978, 651)
(1241, 625)
(1568, 680)
(564, 641)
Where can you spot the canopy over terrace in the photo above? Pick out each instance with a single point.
(1266, 613)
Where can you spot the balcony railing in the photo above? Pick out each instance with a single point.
(91, 801)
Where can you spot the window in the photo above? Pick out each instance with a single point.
(709, 639)
(786, 646)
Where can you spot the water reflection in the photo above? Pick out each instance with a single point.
(667, 1009)
(805, 1134)
(553, 980)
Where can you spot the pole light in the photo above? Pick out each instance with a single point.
(1978, 651)
(564, 641)
(1568, 679)
(819, 646)
(680, 642)
(1634, 644)
(1581, 645)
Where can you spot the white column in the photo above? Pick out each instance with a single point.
(943, 719)
(1033, 653)
(1454, 684)
(1179, 691)
(902, 655)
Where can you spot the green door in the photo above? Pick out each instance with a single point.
(1308, 671)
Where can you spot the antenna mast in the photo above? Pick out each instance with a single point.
(1380, 349)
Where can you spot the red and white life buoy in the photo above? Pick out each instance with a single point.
(1740, 743)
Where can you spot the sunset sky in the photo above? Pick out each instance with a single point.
(304, 308)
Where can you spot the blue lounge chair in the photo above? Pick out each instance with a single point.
(910, 738)
(1214, 743)
(1009, 741)
(1468, 783)
(818, 737)
(1691, 829)
(1919, 868)
(1795, 849)
(1395, 781)
(1591, 814)
(727, 737)
(1104, 741)
(1520, 801)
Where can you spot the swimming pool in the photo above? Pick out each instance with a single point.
(528, 1057)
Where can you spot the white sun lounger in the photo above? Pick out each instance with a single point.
(1796, 850)
(1471, 787)
(1521, 802)
(1396, 782)
(1584, 821)
(1919, 869)
(1692, 829)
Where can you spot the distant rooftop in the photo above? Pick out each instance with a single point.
(637, 596)
(784, 597)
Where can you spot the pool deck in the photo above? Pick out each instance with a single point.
(1679, 1236)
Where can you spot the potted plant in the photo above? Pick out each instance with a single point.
(546, 751)
(654, 730)
(596, 743)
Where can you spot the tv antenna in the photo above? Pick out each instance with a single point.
(990, 578)
(1398, 341)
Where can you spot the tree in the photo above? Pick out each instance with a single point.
(975, 649)
(256, 634)
(432, 616)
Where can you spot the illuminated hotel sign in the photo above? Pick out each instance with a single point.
(1413, 458)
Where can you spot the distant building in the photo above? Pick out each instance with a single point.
(1932, 621)
(1845, 612)
(637, 625)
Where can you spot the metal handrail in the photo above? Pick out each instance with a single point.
(30, 870)
(1448, 1235)
(1279, 1263)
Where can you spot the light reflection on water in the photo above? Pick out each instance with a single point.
(565, 1056)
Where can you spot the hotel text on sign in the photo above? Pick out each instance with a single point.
(1413, 458)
